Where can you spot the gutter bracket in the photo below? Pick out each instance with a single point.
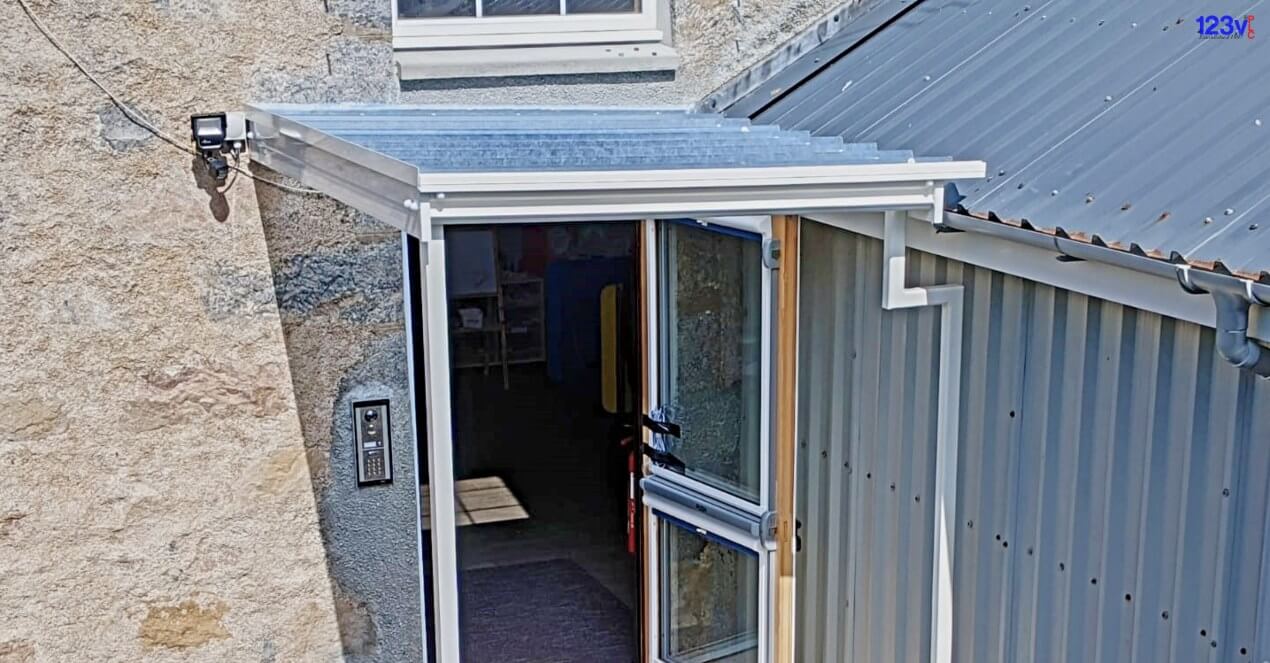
(1184, 280)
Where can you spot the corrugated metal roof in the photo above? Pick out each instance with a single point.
(569, 139)
(1111, 122)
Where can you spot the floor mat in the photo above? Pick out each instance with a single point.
(546, 612)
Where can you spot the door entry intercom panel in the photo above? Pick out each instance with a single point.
(374, 446)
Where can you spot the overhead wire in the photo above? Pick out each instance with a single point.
(134, 115)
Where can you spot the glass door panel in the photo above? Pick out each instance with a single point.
(710, 597)
(710, 543)
(711, 353)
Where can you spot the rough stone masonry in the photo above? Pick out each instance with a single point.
(177, 362)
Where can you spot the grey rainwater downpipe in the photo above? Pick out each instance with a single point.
(1232, 307)
(1233, 343)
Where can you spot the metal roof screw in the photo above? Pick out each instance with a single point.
(1027, 8)
(1101, 22)
(1001, 173)
(1054, 192)
(1107, 98)
(1208, 220)
(926, 78)
(1254, 226)
(1043, 17)
(1257, 121)
(1133, 25)
(1089, 198)
(1229, 211)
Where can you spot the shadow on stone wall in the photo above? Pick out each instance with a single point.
(337, 278)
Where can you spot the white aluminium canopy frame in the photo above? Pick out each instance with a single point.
(421, 169)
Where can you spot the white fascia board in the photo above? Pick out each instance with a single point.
(716, 200)
(1095, 279)
(712, 178)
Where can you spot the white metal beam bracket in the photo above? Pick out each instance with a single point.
(896, 295)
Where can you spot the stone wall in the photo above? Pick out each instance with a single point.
(177, 363)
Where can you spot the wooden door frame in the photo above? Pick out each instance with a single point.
(785, 230)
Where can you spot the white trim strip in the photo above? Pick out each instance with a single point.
(536, 60)
(407, 291)
(514, 41)
(714, 178)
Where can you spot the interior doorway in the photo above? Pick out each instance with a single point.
(544, 354)
(659, 333)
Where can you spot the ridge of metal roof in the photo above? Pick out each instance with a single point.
(801, 57)
(1110, 124)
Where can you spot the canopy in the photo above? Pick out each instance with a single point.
(412, 166)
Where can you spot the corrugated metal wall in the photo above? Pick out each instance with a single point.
(1112, 488)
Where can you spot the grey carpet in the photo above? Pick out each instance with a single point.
(545, 612)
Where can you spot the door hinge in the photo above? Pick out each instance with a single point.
(768, 529)
(772, 253)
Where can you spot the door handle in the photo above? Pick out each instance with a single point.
(661, 427)
(664, 458)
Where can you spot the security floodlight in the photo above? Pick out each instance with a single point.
(216, 134)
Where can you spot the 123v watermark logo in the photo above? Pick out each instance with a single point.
(1225, 27)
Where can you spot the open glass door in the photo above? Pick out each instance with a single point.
(710, 543)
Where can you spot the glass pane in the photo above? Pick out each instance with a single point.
(601, 6)
(709, 599)
(520, 7)
(435, 8)
(712, 333)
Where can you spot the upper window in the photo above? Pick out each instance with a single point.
(460, 38)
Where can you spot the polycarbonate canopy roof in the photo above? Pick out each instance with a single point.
(529, 139)
(472, 165)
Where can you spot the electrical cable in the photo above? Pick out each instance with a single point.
(135, 116)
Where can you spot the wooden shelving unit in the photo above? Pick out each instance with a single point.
(525, 316)
(513, 328)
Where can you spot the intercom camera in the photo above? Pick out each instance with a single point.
(373, 442)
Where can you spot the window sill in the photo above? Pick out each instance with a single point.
(422, 64)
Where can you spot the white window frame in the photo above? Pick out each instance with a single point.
(465, 46)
